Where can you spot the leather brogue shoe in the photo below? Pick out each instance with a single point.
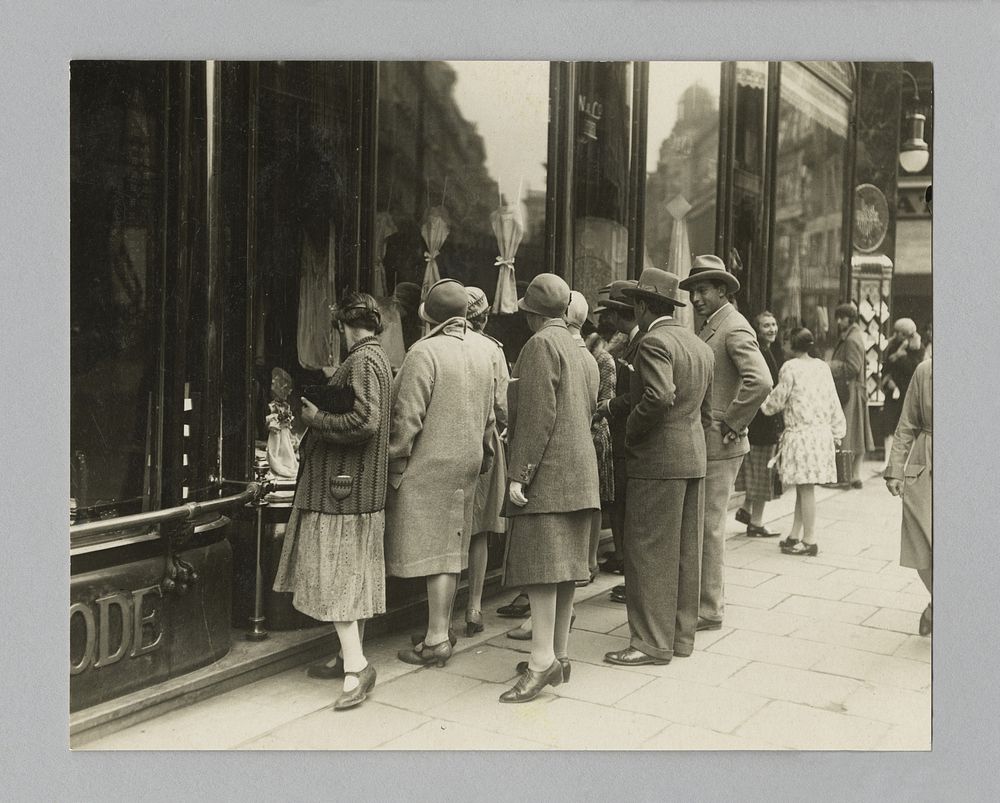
(707, 624)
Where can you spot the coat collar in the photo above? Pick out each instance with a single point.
(557, 322)
(454, 327)
(714, 321)
(371, 340)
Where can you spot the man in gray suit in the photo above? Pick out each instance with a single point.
(741, 383)
(665, 440)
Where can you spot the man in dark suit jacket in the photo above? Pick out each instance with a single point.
(619, 307)
(671, 394)
(740, 386)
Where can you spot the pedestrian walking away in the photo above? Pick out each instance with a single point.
(740, 384)
(440, 442)
(332, 557)
(554, 487)
(909, 475)
(814, 424)
(665, 445)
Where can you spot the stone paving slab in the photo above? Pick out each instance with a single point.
(439, 734)
(687, 703)
(804, 728)
(892, 619)
(685, 737)
(554, 721)
(830, 610)
(776, 622)
(765, 647)
(841, 634)
(362, 728)
(874, 668)
(794, 685)
(808, 587)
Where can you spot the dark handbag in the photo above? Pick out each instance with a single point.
(777, 489)
(845, 466)
(331, 398)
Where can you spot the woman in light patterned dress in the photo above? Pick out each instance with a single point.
(814, 424)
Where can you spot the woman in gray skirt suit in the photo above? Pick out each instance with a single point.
(554, 488)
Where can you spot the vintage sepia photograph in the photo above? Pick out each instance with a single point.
(500, 405)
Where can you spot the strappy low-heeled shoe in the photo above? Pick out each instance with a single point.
(567, 668)
(426, 654)
(327, 671)
(357, 695)
(416, 638)
(513, 610)
(473, 622)
(531, 683)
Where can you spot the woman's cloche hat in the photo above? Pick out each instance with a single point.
(478, 303)
(577, 310)
(657, 283)
(710, 268)
(445, 299)
(547, 295)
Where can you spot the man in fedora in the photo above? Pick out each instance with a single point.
(741, 383)
(665, 440)
(619, 309)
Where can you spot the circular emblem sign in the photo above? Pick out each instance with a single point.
(871, 217)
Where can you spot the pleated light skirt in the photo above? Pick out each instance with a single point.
(334, 565)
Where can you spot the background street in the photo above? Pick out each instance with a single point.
(816, 653)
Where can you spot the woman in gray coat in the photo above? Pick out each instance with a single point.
(439, 444)
(554, 487)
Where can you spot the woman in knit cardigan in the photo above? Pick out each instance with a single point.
(332, 558)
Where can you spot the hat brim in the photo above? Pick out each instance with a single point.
(635, 292)
(731, 282)
(525, 308)
(422, 314)
(605, 306)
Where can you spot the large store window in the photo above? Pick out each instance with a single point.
(682, 154)
(116, 258)
(601, 175)
(462, 151)
(809, 192)
(746, 212)
(303, 218)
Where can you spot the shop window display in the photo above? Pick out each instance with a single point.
(116, 259)
(681, 163)
(808, 215)
(302, 224)
(461, 181)
(601, 175)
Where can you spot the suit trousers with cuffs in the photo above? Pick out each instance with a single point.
(663, 524)
(719, 482)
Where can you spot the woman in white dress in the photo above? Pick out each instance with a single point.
(814, 424)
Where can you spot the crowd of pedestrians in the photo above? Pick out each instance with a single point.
(640, 419)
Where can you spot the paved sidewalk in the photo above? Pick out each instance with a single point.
(816, 653)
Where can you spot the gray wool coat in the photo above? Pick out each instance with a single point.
(552, 397)
(439, 442)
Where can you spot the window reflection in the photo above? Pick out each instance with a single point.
(746, 254)
(681, 163)
(456, 142)
(116, 254)
(812, 142)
